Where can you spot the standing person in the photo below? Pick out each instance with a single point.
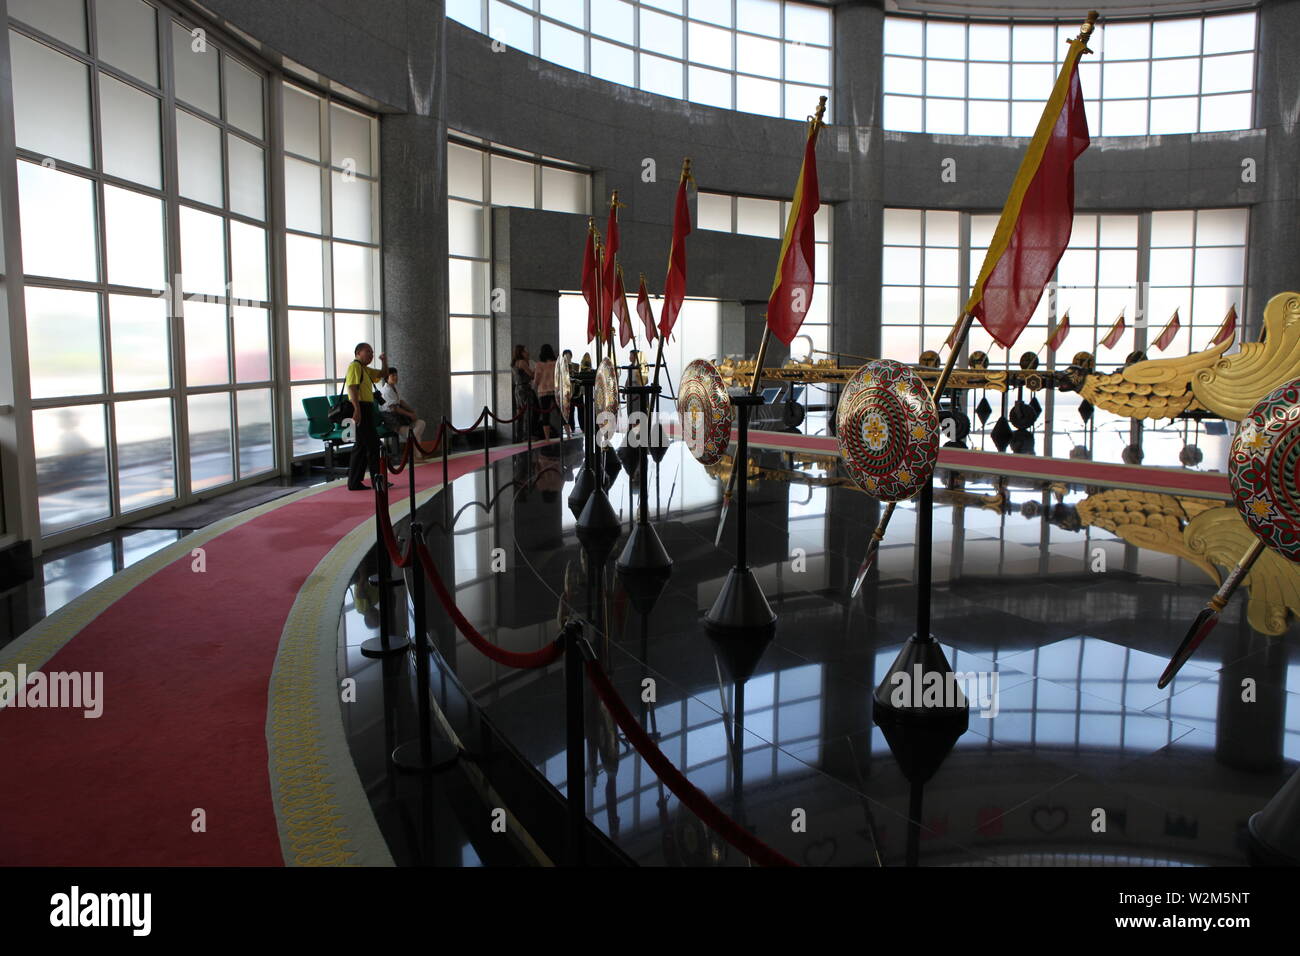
(360, 382)
(397, 414)
(544, 384)
(575, 397)
(525, 399)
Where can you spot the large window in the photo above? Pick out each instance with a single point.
(760, 56)
(1145, 77)
(481, 175)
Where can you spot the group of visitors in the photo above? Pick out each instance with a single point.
(534, 387)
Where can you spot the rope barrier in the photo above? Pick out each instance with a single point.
(386, 532)
(686, 792)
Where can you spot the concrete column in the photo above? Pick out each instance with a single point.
(1274, 264)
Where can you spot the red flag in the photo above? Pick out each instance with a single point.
(620, 309)
(1036, 222)
(792, 290)
(1170, 330)
(607, 274)
(1062, 330)
(643, 309)
(590, 273)
(675, 283)
(1229, 327)
(1115, 332)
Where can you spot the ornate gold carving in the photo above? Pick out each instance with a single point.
(1220, 536)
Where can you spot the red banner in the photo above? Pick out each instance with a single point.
(643, 309)
(589, 279)
(792, 291)
(620, 309)
(1166, 337)
(675, 283)
(1116, 330)
(1059, 335)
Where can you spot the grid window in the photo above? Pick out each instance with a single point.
(771, 57)
(1149, 77)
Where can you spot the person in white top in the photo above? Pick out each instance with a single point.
(398, 415)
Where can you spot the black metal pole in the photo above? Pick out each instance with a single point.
(574, 703)
(924, 556)
(421, 652)
(486, 421)
(741, 481)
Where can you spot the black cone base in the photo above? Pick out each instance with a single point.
(582, 489)
(920, 731)
(739, 652)
(1275, 830)
(644, 588)
(644, 552)
(741, 606)
(375, 647)
(598, 515)
(408, 756)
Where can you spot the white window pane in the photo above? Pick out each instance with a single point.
(661, 76)
(199, 157)
(945, 116)
(252, 344)
(1032, 81)
(941, 229)
(1176, 77)
(981, 231)
(1220, 265)
(58, 223)
(1172, 228)
(1117, 267)
(301, 122)
(256, 438)
(63, 342)
(758, 217)
(1174, 115)
(248, 262)
(1210, 304)
(990, 81)
(210, 441)
(353, 202)
(1221, 227)
(611, 62)
(1077, 268)
(1124, 118)
(512, 183)
(1230, 34)
(464, 172)
(62, 19)
(71, 466)
(354, 276)
(127, 34)
(904, 36)
(467, 284)
(350, 140)
(51, 101)
(762, 57)
(1033, 44)
(132, 141)
(465, 232)
(710, 45)
(807, 64)
(572, 12)
(989, 42)
(133, 224)
(1171, 267)
(902, 227)
(988, 118)
(469, 393)
(801, 101)
(203, 252)
(710, 87)
(945, 78)
(243, 97)
(207, 359)
(306, 345)
(247, 177)
(470, 342)
(713, 211)
(902, 344)
(904, 113)
(903, 75)
(195, 67)
(1228, 74)
(660, 33)
(468, 12)
(759, 16)
(511, 26)
(348, 331)
(945, 40)
(1119, 231)
(305, 270)
(713, 11)
(303, 443)
(139, 331)
(901, 265)
(1126, 41)
(1176, 38)
(146, 453)
(565, 47)
(302, 195)
(613, 19)
(758, 96)
(1124, 80)
(807, 23)
(1227, 111)
(565, 191)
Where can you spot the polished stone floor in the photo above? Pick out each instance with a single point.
(1076, 759)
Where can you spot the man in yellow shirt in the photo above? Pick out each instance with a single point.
(360, 382)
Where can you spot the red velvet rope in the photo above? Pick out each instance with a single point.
(386, 532)
(539, 658)
(686, 792)
(477, 422)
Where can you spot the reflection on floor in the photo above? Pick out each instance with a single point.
(1075, 759)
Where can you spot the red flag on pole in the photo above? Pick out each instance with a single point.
(643, 309)
(1036, 222)
(792, 290)
(1171, 328)
(1228, 329)
(1116, 330)
(590, 278)
(675, 283)
(1062, 330)
(608, 271)
(620, 309)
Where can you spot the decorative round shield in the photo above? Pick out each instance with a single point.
(889, 430)
(606, 396)
(704, 411)
(1264, 470)
(563, 388)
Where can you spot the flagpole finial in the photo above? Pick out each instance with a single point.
(821, 111)
(1085, 31)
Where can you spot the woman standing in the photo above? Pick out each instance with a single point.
(525, 399)
(544, 383)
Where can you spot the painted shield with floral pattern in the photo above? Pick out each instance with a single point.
(1264, 470)
(704, 411)
(888, 430)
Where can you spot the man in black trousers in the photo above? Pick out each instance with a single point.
(360, 382)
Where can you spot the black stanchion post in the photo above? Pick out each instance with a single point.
(644, 551)
(576, 653)
(446, 443)
(487, 421)
(924, 560)
(382, 646)
(586, 482)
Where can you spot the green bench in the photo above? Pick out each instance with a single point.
(319, 426)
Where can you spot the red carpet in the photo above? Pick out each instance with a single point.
(186, 659)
